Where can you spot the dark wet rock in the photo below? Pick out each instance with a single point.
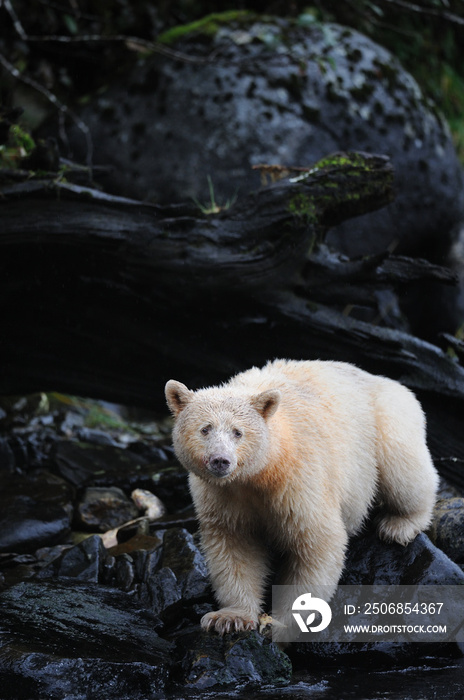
(123, 572)
(101, 509)
(98, 465)
(96, 437)
(19, 446)
(26, 449)
(447, 529)
(182, 577)
(146, 563)
(152, 453)
(38, 675)
(21, 410)
(90, 561)
(35, 511)
(137, 544)
(85, 561)
(15, 568)
(182, 556)
(46, 555)
(170, 483)
(7, 459)
(214, 662)
(167, 570)
(71, 422)
(86, 464)
(447, 490)
(279, 93)
(371, 561)
(61, 640)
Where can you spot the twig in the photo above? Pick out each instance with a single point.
(118, 38)
(14, 18)
(443, 14)
(60, 106)
(456, 460)
(370, 17)
(128, 40)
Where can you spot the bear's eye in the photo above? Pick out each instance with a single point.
(205, 430)
(237, 433)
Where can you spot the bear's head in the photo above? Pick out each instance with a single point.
(220, 434)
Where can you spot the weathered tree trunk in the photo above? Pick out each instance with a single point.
(258, 242)
(108, 297)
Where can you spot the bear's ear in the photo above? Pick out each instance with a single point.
(177, 396)
(266, 403)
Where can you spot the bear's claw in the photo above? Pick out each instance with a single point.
(228, 620)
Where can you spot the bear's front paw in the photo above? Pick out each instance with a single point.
(229, 620)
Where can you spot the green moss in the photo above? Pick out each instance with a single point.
(208, 25)
(18, 145)
(100, 417)
(338, 160)
(302, 207)
(21, 138)
(94, 413)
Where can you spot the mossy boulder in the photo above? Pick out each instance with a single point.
(250, 90)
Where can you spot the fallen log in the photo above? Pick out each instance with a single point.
(108, 297)
(259, 242)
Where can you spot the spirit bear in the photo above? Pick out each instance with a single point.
(291, 457)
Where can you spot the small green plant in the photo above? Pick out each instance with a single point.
(18, 145)
(212, 207)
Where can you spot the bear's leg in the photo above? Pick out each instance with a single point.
(408, 502)
(238, 569)
(314, 564)
(407, 477)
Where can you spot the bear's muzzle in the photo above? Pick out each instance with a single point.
(219, 466)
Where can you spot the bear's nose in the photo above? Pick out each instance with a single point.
(219, 465)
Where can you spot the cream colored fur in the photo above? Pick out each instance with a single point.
(291, 457)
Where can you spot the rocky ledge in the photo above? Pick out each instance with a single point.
(79, 619)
